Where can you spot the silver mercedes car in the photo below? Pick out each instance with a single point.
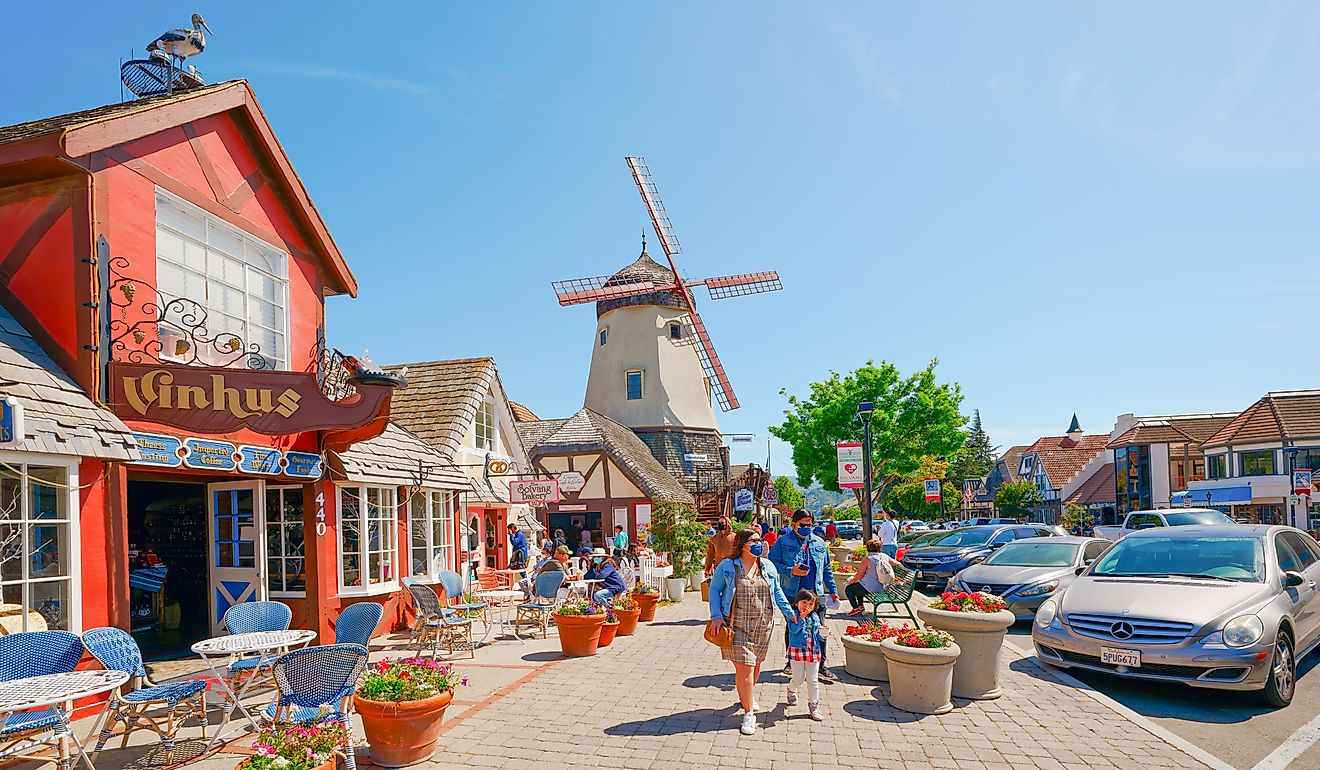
(1026, 572)
(1227, 606)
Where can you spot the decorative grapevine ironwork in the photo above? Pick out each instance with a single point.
(190, 342)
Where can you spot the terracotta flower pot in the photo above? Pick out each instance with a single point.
(864, 659)
(648, 603)
(981, 637)
(628, 621)
(402, 733)
(579, 635)
(920, 680)
(607, 633)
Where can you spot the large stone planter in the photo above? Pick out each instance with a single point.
(981, 637)
(920, 680)
(864, 659)
(694, 581)
(842, 554)
(401, 733)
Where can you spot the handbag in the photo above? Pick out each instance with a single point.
(724, 637)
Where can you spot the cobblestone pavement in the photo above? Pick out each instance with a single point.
(663, 699)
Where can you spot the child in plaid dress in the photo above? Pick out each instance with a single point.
(806, 633)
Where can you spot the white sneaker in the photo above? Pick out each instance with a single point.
(792, 698)
(756, 706)
(748, 723)
(813, 711)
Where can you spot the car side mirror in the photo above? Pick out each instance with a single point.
(1292, 579)
(1145, 526)
(1078, 572)
(997, 546)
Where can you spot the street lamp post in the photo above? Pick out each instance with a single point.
(864, 411)
(1291, 454)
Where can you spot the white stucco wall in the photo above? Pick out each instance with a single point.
(1159, 474)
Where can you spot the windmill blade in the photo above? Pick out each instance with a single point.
(577, 291)
(726, 286)
(664, 229)
(720, 387)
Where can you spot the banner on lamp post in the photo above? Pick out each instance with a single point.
(850, 465)
(1301, 481)
(932, 490)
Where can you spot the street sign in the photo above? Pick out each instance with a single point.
(577, 507)
(695, 458)
(571, 481)
(770, 495)
(744, 500)
(850, 465)
(932, 490)
(534, 491)
(11, 421)
(1301, 480)
(742, 439)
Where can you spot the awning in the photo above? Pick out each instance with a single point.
(1216, 496)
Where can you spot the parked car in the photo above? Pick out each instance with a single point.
(918, 539)
(1226, 606)
(1003, 521)
(849, 530)
(1026, 572)
(980, 521)
(1174, 517)
(915, 525)
(955, 551)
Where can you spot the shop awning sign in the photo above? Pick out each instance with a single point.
(205, 455)
(744, 500)
(850, 465)
(534, 491)
(11, 421)
(1301, 480)
(201, 454)
(160, 451)
(260, 460)
(571, 481)
(302, 465)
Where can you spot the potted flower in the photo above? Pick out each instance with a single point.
(627, 609)
(978, 622)
(862, 655)
(580, 623)
(839, 551)
(401, 703)
(920, 663)
(611, 626)
(298, 747)
(858, 553)
(647, 597)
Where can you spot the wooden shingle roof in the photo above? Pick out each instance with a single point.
(41, 126)
(397, 457)
(442, 399)
(1279, 415)
(522, 413)
(1098, 489)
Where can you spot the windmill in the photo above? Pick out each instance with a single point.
(643, 285)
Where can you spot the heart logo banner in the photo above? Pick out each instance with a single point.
(850, 465)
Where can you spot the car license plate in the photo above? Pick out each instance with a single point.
(1119, 657)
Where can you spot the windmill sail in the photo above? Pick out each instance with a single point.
(576, 291)
(743, 285)
(720, 388)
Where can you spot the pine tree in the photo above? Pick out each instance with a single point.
(977, 457)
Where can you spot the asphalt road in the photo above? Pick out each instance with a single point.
(1232, 726)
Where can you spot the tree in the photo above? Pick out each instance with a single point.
(1015, 499)
(789, 494)
(914, 417)
(977, 457)
(1073, 516)
(851, 513)
(679, 535)
(909, 494)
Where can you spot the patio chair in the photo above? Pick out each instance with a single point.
(357, 622)
(438, 624)
(36, 653)
(452, 582)
(253, 617)
(898, 595)
(490, 580)
(140, 707)
(536, 613)
(315, 685)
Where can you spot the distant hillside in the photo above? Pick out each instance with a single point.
(818, 497)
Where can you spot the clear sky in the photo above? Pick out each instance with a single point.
(1099, 208)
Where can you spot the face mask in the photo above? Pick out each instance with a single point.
(756, 549)
(721, 526)
(597, 560)
(803, 531)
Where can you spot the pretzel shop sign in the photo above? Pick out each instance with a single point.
(205, 399)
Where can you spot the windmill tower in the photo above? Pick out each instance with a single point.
(653, 367)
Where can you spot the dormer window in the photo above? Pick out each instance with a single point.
(485, 426)
(675, 331)
(633, 384)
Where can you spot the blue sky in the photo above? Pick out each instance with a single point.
(1099, 209)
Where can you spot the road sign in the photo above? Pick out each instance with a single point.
(1301, 481)
(744, 500)
(770, 495)
(932, 490)
(850, 465)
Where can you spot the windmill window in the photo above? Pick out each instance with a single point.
(675, 331)
(604, 336)
(633, 381)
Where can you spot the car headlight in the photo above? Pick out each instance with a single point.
(1045, 615)
(1243, 630)
(1038, 589)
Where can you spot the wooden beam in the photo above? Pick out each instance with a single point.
(36, 230)
(39, 188)
(121, 128)
(244, 192)
(204, 160)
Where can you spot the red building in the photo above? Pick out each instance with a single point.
(161, 261)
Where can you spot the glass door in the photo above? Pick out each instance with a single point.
(235, 546)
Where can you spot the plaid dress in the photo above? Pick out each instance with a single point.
(752, 620)
(811, 653)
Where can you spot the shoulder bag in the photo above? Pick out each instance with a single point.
(724, 637)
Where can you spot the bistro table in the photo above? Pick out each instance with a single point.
(501, 601)
(259, 642)
(51, 690)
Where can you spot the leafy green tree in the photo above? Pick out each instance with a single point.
(789, 494)
(977, 457)
(679, 534)
(914, 417)
(1017, 498)
(851, 513)
(909, 494)
(1073, 516)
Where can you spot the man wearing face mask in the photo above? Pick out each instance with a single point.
(803, 561)
(603, 569)
(720, 546)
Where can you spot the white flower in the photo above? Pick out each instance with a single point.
(281, 762)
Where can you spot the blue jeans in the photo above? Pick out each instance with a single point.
(890, 550)
(603, 596)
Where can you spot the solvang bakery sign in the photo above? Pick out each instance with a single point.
(205, 399)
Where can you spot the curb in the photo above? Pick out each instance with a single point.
(1163, 733)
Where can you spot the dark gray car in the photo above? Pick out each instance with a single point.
(1026, 572)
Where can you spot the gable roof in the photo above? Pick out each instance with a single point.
(396, 457)
(1063, 457)
(442, 399)
(1173, 429)
(1279, 415)
(589, 431)
(522, 413)
(58, 417)
(77, 134)
(1098, 489)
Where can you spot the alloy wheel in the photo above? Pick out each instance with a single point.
(1285, 678)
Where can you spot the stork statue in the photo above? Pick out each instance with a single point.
(178, 44)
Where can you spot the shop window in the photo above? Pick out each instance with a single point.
(241, 282)
(1259, 463)
(37, 554)
(633, 383)
(1216, 466)
(1308, 458)
(285, 562)
(366, 539)
(486, 426)
(431, 533)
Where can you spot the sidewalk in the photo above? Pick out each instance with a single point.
(663, 699)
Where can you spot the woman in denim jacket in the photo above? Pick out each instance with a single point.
(751, 579)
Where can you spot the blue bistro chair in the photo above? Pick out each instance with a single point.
(316, 684)
(453, 585)
(356, 623)
(253, 617)
(36, 653)
(545, 593)
(138, 708)
(438, 624)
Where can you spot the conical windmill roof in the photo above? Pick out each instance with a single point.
(643, 269)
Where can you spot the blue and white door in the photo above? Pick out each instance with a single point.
(235, 546)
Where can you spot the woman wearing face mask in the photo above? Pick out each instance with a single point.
(720, 546)
(603, 569)
(746, 586)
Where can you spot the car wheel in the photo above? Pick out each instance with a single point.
(1282, 681)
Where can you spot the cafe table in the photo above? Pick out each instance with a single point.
(502, 601)
(52, 691)
(215, 652)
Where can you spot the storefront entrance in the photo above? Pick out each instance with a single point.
(574, 524)
(236, 548)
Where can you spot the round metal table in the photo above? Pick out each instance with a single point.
(50, 691)
(258, 642)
